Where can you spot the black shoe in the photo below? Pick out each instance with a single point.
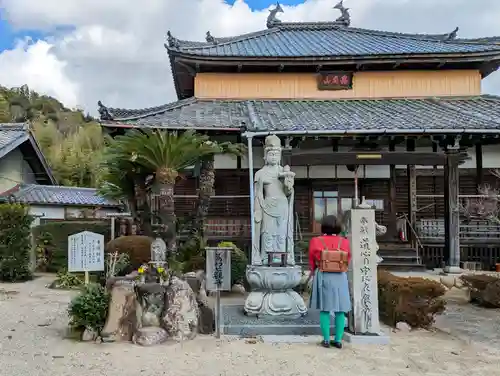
(325, 344)
(338, 345)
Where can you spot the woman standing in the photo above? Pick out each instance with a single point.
(330, 290)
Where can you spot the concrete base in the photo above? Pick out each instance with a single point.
(453, 270)
(235, 322)
(360, 339)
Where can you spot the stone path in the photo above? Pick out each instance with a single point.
(34, 321)
(468, 322)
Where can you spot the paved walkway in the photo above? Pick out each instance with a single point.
(34, 320)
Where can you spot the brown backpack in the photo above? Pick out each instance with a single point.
(333, 261)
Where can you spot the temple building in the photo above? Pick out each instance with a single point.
(397, 118)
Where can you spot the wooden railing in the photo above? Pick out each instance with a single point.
(432, 231)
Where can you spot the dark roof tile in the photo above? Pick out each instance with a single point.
(59, 195)
(327, 40)
(377, 115)
(11, 136)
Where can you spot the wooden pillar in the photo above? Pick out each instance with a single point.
(393, 210)
(412, 192)
(452, 213)
(238, 159)
(479, 167)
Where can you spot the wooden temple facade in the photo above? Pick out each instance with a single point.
(402, 114)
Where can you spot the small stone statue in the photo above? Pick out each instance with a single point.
(273, 209)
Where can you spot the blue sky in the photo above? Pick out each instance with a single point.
(9, 35)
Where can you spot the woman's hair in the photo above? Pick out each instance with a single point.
(330, 225)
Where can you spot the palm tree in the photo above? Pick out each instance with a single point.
(164, 155)
(124, 180)
(206, 183)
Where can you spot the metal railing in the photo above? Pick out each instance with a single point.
(418, 244)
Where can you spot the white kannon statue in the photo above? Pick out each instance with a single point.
(273, 209)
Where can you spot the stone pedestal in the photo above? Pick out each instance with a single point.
(272, 291)
(364, 325)
(452, 269)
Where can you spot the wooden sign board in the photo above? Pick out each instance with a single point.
(218, 268)
(335, 80)
(85, 252)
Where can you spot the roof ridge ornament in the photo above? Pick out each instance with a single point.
(103, 111)
(345, 17)
(210, 38)
(271, 19)
(172, 42)
(452, 35)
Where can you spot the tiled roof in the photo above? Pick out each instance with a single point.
(186, 113)
(382, 115)
(327, 41)
(11, 136)
(378, 115)
(58, 195)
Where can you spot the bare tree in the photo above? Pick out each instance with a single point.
(485, 207)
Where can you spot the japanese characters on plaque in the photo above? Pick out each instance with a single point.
(218, 268)
(85, 252)
(363, 272)
(365, 246)
(335, 80)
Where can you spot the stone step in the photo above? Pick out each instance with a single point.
(402, 266)
(400, 259)
(235, 322)
(401, 252)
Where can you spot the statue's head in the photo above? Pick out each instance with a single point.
(272, 150)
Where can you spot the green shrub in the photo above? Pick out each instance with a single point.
(239, 262)
(484, 289)
(137, 247)
(44, 250)
(59, 231)
(89, 309)
(15, 244)
(415, 301)
(66, 280)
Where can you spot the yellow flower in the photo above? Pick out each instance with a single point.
(140, 270)
(160, 269)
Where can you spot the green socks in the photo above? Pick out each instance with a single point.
(324, 324)
(339, 326)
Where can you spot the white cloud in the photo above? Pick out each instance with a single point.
(113, 50)
(34, 65)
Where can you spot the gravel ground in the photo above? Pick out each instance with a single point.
(33, 321)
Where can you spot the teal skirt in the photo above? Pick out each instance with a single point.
(330, 292)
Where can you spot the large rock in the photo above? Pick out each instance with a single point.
(206, 316)
(150, 336)
(180, 319)
(491, 295)
(151, 297)
(121, 322)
